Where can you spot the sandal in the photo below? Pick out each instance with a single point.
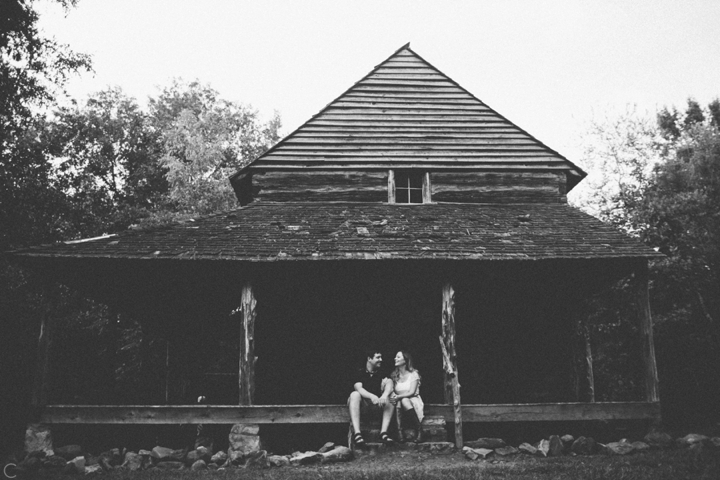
(385, 438)
(358, 440)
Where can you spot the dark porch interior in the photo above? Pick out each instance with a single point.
(514, 327)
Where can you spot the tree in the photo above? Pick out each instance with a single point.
(669, 197)
(694, 114)
(205, 143)
(620, 154)
(106, 156)
(33, 71)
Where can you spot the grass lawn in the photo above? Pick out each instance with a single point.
(666, 465)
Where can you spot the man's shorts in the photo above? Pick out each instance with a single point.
(366, 405)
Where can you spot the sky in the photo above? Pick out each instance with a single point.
(548, 66)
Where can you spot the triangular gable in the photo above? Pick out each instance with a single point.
(407, 114)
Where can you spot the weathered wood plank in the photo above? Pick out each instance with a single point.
(376, 195)
(507, 156)
(282, 180)
(405, 135)
(374, 114)
(408, 84)
(407, 107)
(371, 104)
(559, 412)
(462, 131)
(417, 141)
(440, 150)
(405, 68)
(299, 414)
(390, 74)
(497, 188)
(322, 186)
(450, 122)
(544, 180)
(360, 164)
(401, 96)
(652, 393)
(389, 87)
(412, 138)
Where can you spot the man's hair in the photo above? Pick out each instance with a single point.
(370, 353)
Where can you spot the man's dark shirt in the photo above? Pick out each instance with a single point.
(370, 382)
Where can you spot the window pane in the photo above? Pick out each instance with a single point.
(415, 196)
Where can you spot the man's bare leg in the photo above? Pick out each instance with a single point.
(354, 406)
(387, 416)
(388, 408)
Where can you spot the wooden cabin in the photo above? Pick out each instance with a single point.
(406, 214)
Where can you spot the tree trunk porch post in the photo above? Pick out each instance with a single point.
(246, 367)
(41, 387)
(447, 344)
(646, 331)
(583, 363)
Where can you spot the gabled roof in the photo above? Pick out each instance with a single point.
(407, 114)
(262, 232)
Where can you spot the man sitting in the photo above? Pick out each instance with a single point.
(371, 393)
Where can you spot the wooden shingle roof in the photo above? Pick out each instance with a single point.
(262, 232)
(407, 114)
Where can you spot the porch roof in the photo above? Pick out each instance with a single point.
(336, 231)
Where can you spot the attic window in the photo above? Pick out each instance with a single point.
(408, 187)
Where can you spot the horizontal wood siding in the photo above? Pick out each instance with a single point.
(229, 414)
(476, 187)
(407, 114)
(321, 186)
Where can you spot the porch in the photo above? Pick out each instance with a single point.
(292, 332)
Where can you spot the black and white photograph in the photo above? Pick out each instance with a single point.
(335, 239)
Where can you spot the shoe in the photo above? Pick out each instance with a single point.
(385, 438)
(358, 440)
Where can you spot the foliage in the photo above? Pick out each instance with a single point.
(88, 168)
(662, 184)
(105, 158)
(33, 71)
(205, 143)
(116, 165)
(620, 154)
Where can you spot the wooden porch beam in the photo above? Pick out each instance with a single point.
(300, 414)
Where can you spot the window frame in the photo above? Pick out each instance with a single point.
(426, 191)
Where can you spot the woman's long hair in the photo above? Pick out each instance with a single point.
(395, 375)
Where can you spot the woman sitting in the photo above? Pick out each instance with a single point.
(406, 394)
